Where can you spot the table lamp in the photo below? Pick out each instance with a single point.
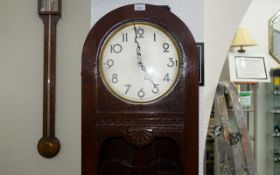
(242, 38)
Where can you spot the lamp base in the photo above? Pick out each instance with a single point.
(241, 50)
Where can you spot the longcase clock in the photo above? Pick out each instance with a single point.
(139, 94)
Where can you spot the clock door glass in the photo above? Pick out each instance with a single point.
(139, 62)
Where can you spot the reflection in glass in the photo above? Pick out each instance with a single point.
(49, 6)
(274, 38)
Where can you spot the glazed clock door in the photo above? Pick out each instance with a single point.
(139, 95)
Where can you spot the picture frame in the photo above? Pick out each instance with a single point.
(200, 52)
(248, 68)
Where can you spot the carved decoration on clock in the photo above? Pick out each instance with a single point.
(156, 122)
(141, 137)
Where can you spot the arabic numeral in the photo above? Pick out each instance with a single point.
(116, 48)
(166, 77)
(115, 78)
(124, 37)
(140, 33)
(141, 93)
(171, 62)
(165, 47)
(127, 88)
(109, 63)
(155, 90)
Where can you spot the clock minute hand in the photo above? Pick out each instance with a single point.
(139, 58)
(138, 52)
(140, 61)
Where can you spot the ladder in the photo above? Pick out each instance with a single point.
(234, 155)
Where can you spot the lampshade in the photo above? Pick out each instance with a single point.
(242, 38)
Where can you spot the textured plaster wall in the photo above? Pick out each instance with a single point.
(21, 65)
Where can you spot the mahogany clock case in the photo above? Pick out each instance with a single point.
(130, 139)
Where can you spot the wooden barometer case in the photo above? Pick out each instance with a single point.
(50, 12)
(139, 94)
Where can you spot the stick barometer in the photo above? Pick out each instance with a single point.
(49, 11)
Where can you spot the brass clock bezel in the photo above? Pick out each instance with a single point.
(112, 33)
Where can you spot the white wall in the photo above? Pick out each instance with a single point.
(221, 19)
(191, 12)
(21, 66)
(256, 21)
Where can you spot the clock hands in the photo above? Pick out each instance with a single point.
(139, 55)
(140, 60)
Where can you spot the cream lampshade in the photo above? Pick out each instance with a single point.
(242, 38)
